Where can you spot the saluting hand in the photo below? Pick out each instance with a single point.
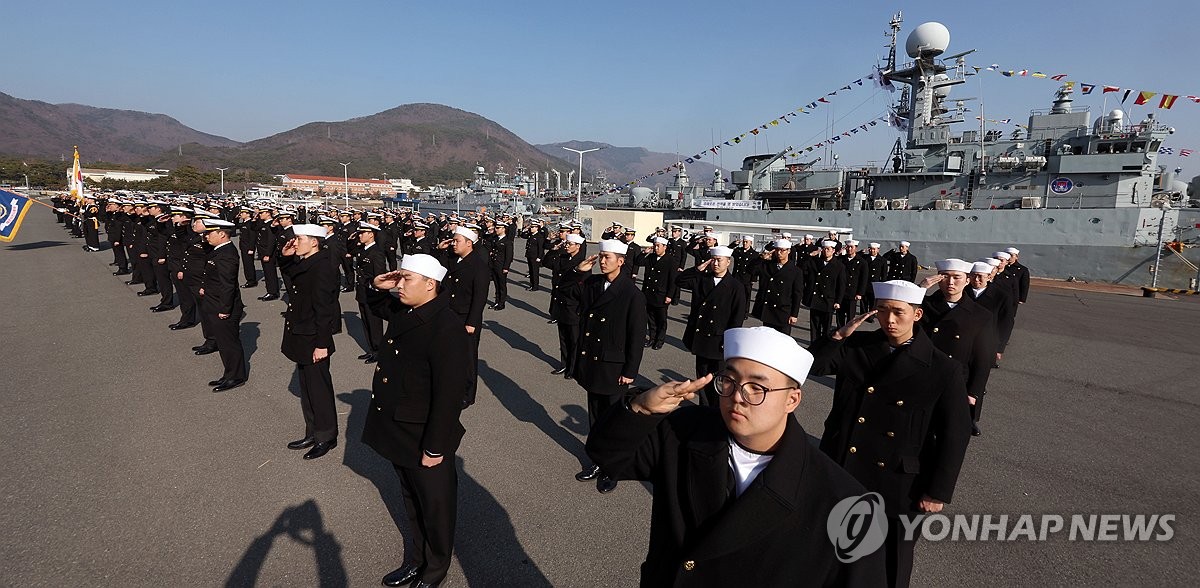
(289, 248)
(387, 281)
(931, 280)
(667, 397)
(704, 265)
(852, 326)
(586, 265)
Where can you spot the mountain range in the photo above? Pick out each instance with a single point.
(429, 143)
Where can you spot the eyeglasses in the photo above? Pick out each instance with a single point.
(753, 393)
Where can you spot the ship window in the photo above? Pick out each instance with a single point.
(1095, 220)
(1103, 147)
(1139, 146)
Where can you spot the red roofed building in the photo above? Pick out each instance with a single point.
(335, 185)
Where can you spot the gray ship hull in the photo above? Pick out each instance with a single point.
(1115, 245)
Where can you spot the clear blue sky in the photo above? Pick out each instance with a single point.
(663, 75)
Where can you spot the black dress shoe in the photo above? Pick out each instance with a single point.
(588, 473)
(206, 350)
(162, 308)
(131, 282)
(646, 344)
(181, 326)
(347, 289)
(975, 432)
(250, 285)
(122, 273)
(605, 485)
(228, 385)
(302, 443)
(217, 382)
(319, 449)
(371, 358)
(423, 584)
(530, 288)
(657, 345)
(198, 348)
(268, 297)
(498, 307)
(114, 264)
(568, 376)
(552, 322)
(560, 371)
(401, 575)
(364, 356)
(147, 292)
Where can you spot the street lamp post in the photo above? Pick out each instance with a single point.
(579, 189)
(26, 182)
(346, 178)
(222, 170)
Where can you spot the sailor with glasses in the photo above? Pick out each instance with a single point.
(740, 496)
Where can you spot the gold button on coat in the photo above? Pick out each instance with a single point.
(689, 565)
(860, 419)
(385, 381)
(870, 389)
(899, 403)
(853, 450)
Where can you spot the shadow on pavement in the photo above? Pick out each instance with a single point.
(354, 327)
(302, 524)
(35, 245)
(250, 334)
(486, 542)
(519, 342)
(531, 309)
(523, 406)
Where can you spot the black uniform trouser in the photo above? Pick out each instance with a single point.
(818, 323)
(899, 553)
(271, 277)
(844, 314)
(205, 329)
(704, 366)
(144, 271)
(91, 234)
(473, 380)
(748, 287)
(227, 334)
(867, 304)
(135, 266)
(162, 277)
(784, 328)
(316, 401)
(287, 286)
(248, 268)
(656, 323)
(535, 272)
(372, 327)
(568, 341)
(187, 300)
(500, 280)
(120, 258)
(348, 271)
(431, 502)
(977, 408)
(390, 256)
(598, 404)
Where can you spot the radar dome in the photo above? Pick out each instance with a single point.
(641, 194)
(928, 40)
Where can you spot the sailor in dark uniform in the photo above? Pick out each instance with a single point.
(221, 303)
(309, 321)
(613, 329)
(902, 265)
(91, 226)
(877, 271)
(1019, 272)
(899, 422)
(780, 289)
(370, 261)
(284, 234)
(745, 264)
(500, 257)
(718, 303)
(535, 247)
(657, 285)
(958, 327)
(564, 299)
(1003, 308)
(825, 289)
(1010, 282)
(157, 247)
(195, 265)
(856, 283)
(740, 496)
(264, 248)
(677, 249)
(247, 240)
(420, 242)
(416, 403)
(466, 284)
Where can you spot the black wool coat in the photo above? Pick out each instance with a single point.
(715, 308)
(221, 292)
(965, 333)
(780, 293)
(467, 283)
(612, 329)
(701, 533)
(313, 312)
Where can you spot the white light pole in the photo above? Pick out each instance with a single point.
(222, 170)
(26, 182)
(346, 178)
(579, 190)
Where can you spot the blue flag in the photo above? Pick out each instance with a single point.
(12, 211)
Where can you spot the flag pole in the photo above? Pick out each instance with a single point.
(55, 209)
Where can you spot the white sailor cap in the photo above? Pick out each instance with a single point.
(471, 235)
(213, 224)
(1002, 256)
(953, 265)
(770, 348)
(901, 290)
(326, 220)
(828, 243)
(852, 243)
(905, 244)
(426, 265)
(720, 251)
(180, 210)
(365, 226)
(576, 239)
(614, 246)
(873, 244)
(309, 230)
(783, 244)
(789, 236)
(202, 214)
(992, 261)
(1013, 250)
(660, 241)
(981, 267)
(809, 237)
(749, 238)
